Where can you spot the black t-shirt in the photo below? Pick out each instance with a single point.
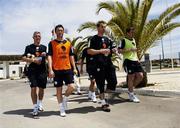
(36, 51)
(89, 58)
(98, 43)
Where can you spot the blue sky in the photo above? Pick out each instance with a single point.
(20, 18)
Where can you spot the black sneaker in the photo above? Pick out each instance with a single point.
(106, 108)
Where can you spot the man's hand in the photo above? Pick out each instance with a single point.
(105, 51)
(51, 74)
(37, 60)
(75, 71)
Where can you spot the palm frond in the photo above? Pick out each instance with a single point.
(89, 25)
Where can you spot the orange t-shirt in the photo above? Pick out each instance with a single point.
(61, 52)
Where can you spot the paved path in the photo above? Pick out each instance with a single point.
(152, 112)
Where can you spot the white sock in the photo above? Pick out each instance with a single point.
(34, 106)
(39, 103)
(103, 102)
(89, 94)
(78, 89)
(60, 105)
(93, 94)
(131, 93)
(65, 98)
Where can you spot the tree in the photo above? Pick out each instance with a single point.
(135, 13)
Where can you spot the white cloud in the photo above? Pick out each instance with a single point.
(22, 17)
(20, 22)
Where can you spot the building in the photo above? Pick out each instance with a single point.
(11, 66)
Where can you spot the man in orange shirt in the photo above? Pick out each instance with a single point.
(60, 59)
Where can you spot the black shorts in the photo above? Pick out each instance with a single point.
(132, 67)
(107, 73)
(91, 73)
(63, 76)
(38, 80)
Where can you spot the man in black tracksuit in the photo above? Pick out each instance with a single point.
(101, 48)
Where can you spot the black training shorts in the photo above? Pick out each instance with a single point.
(132, 67)
(63, 76)
(38, 80)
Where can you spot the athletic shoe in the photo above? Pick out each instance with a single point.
(79, 93)
(62, 111)
(40, 109)
(133, 98)
(35, 112)
(106, 108)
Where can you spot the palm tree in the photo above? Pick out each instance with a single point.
(135, 13)
(79, 43)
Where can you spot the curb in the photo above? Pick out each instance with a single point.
(146, 92)
(150, 92)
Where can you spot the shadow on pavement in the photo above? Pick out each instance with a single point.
(83, 110)
(27, 113)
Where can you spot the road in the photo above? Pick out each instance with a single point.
(152, 112)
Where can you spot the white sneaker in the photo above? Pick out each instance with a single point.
(133, 98)
(35, 112)
(64, 102)
(93, 97)
(62, 110)
(40, 108)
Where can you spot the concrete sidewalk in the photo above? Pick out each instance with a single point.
(166, 83)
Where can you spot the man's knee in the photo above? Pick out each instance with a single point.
(139, 75)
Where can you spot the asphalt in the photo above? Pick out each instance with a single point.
(154, 111)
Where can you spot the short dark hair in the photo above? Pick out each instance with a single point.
(59, 26)
(129, 29)
(100, 22)
(36, 32)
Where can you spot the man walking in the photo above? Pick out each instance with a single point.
(35, 54)
(131, 63)
(60, 64)
(101, 48)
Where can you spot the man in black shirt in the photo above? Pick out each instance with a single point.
(101, 48)
(89, 69)
(35, 55)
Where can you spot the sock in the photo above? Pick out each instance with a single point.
(78, 89)
(89, 94)
(34, 106)
(103, 102)
(39, 103)
(65, 98)
(93, 94)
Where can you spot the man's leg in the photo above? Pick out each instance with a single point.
(131, 80)
(59, 94)
(100, 81)
(34, 95)
(40, 95)
(34, 100)
(138, 78)
(60, 101)
(92, 94)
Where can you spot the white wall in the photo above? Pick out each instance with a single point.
(16, 70)
(1, 74)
